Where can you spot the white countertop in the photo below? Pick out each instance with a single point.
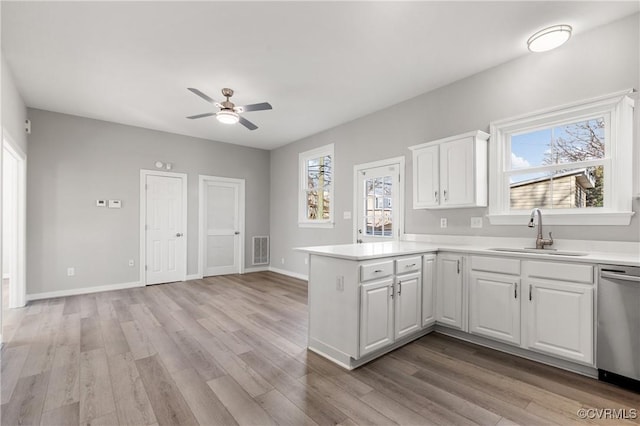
(367, 251)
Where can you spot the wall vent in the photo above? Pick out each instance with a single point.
(261, 250)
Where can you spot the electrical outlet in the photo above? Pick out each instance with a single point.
(340, 283)
(71, 272)
(131, 262)
(476, 222)
(443, 222)
(282, 260)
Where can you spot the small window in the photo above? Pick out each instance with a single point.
(574, 162)
(316, 187)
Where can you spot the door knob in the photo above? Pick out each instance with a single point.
(236, 233)
(179, 234)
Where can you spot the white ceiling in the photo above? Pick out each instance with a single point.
(319, 64)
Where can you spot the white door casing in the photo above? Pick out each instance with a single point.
(221, 230)
(163, 227)
(379, 200)
(17, 261)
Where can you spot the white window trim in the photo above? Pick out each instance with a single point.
(619, 108)
(303, 157)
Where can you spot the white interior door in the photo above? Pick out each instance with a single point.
(165, 233)
(378, 206)
(222, 227)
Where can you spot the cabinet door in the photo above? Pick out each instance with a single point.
(408, 303)
(376, 315)
(560, 319)
(449, 291)
(428, 290)
(426, 177)
(494, 306)
(457, 171)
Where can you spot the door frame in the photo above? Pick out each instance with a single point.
(18, 284)
(380, 163)
(143, 218)
(202, 179)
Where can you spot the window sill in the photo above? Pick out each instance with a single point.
(562, 218)
(316, 224)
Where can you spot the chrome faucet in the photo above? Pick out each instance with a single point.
(540, 240)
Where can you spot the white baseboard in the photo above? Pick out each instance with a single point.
(83, 290)
(193, 277)
(289, 273)
(256, 269)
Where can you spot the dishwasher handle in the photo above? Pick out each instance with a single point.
(622, 277)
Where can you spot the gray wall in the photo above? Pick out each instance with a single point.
(591, 64)
(73, 161)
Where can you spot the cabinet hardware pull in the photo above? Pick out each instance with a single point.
(530, 292)
(391, 287)
(446, 198)
(515, 290)
(377, 271)
(399, 288)
(435, 195)
(410, 266)
(458, 266)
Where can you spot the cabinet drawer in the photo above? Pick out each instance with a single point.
(495, 264)
(561, 271)
(372, 271)
(408, 264)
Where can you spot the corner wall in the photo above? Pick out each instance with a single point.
(595, 63)
(74, 161)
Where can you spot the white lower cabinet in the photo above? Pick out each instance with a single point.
(390, 309)
(376, 315)
(449, 291)
(407, 305)
(546, 307)
(561, 319)
(428, 290)
(494, 306)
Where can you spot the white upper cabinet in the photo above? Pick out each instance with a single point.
(451, 172)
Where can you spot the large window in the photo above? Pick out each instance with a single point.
(316, 187)
(574, 162)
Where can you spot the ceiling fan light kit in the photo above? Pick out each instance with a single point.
(227, 117)
(229, 113)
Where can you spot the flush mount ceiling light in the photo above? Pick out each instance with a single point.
(227, 117)
(549, 38)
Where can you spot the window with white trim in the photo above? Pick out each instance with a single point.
(316, 187)
(574, 162)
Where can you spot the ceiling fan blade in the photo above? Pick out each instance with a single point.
(206, 114)
(255, 107)
(202, 95)
(246, 123)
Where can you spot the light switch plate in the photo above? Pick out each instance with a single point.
(101, 203)
(115, 204)
(346, 215)
(476, 222)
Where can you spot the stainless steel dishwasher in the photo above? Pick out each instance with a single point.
(618, 347)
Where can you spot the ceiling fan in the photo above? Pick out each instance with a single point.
(229, 113)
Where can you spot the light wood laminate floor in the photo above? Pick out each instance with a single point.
(231, 350)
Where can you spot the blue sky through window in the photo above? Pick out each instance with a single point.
(530, 149)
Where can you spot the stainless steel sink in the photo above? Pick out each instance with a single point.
(552, 252)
